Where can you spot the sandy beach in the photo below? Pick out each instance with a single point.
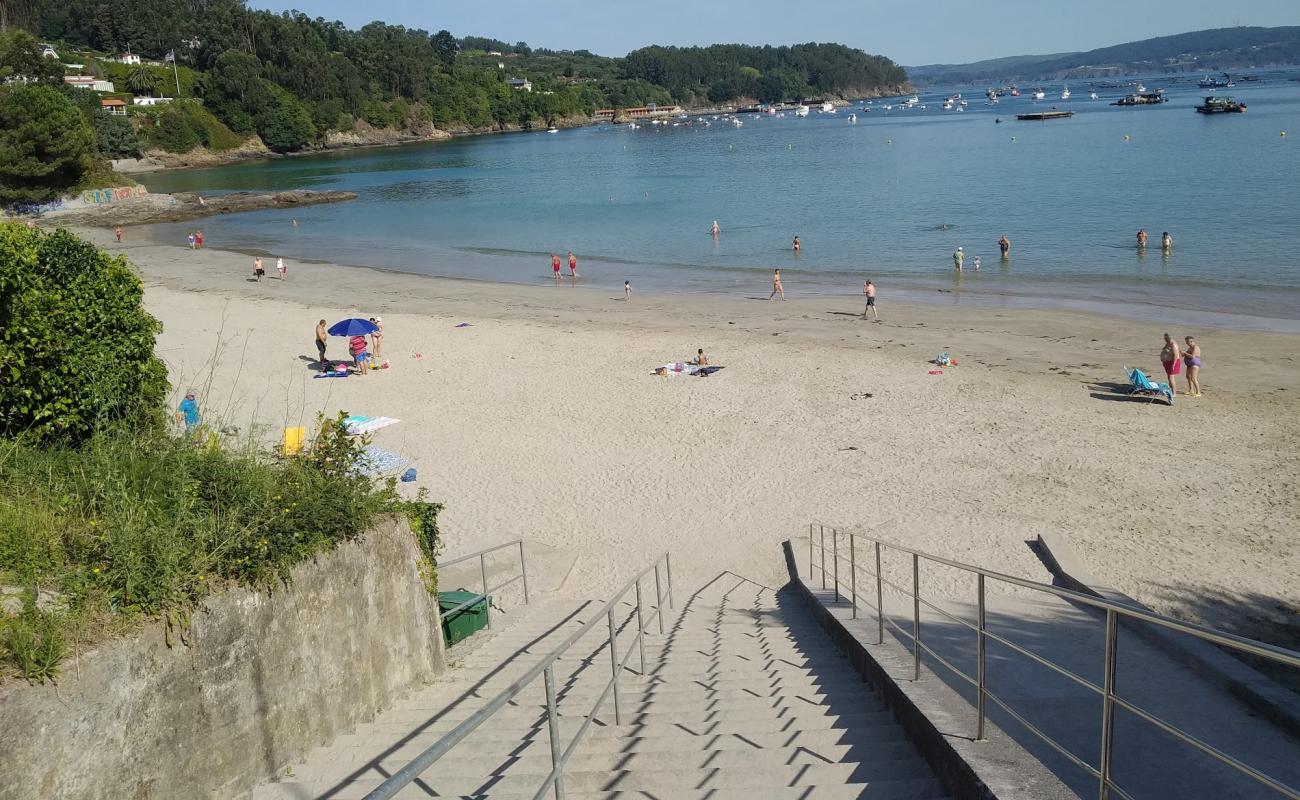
(542, 420)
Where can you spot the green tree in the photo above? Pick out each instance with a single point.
(76, 351)
(45, 144)
(140, 80)
(288, 127)
(114, 136)
(21, 58)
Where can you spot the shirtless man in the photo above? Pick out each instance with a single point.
(1004, 244)
(716, 229)
(1142, 239)
(258, 272)
(1166, 242)
(573, 265)
(869, 291)
(795, 245)
(555, 265)
(1171, 360)
(777, 288)
(320, 346)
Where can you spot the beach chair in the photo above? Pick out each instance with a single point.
(1140, 384)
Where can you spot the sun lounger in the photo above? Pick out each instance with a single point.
(1140, 384)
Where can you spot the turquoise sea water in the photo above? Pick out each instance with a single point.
(888, 197)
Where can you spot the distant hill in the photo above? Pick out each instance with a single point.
(1213, 50)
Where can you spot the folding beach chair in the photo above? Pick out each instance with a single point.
(1140, 384)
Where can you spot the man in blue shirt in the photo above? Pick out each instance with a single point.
(189, 410)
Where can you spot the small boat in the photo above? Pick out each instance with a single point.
(735, 123)
(912, 102)
(1221, 105)
(1039, 94)
(1065, 93)
(1214, 83)
(801, 111)
(853, 117)
(1140, 89)
(828, 108)
(1044, 115)
(1015, 92)
(552, 129)
(1092, 95)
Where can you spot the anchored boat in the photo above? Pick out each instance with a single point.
(1042, 115)
(1221, 105)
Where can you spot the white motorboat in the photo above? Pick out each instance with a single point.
(735, 123)
(1140, 89)
(912, 101)
(828, 108)
(1065, 93)
(801, 111)
(853, 117)
(1092, 95)
(1038, 94)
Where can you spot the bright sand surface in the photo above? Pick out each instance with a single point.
(542, 420)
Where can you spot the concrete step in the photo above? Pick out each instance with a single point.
(916, 789)
(658, 780)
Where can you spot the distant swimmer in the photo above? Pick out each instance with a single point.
(795, 244)
(573, 265)
(777, 288)
(1166, 241)
(555, 265)
(1142, 239)
(1004, 244)
(977, 263)
(869, 290)
(716, 228)
(958, 259)
(295, 223)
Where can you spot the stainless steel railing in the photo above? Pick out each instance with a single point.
(1114, 611)
(560, 753)
(482, 555)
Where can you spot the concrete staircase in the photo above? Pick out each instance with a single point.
(743, 697)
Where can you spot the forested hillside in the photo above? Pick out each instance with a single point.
(1200, 51)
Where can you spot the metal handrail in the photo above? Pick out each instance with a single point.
(1113, 610)
(482, 555)
(546, 668)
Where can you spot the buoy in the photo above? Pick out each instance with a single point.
(1126, 137)
(889, 141)
(1013, 138)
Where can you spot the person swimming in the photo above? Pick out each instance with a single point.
(795, 244)
(715, 229)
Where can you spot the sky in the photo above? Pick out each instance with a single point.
(911, 32)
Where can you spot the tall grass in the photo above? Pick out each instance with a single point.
(132, 525)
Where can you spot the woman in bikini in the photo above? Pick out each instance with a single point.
(377, 339)
(777, 288)
(1171, 359)
(1192, 360)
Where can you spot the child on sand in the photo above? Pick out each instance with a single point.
(118, 232)
(573, 265)
(555, 265)
(627, 290)
(281, 268)
(357, 347)
(701, 360)
(198, 239)
(190, 239)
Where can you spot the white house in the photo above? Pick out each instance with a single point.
(150, 101)
(48, 51)
(129, 58)
(89, 82)
(520, 83)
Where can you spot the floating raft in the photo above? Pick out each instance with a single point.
(1038, 115)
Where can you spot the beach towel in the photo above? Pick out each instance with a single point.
(291, 444)
(378, 461)
(358, 425)
(330, 375)
(464, 325)
(677, 368)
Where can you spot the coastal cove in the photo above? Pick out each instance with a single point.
(889, 196)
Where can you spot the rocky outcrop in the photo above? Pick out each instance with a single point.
(365, 135)
(183, 206)
(203, 157)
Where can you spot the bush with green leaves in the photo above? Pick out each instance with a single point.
(129, 526)
(115, 136)
(76, 346)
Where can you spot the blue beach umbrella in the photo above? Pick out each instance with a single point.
(353, 327)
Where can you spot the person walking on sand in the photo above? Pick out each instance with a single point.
(188, 411)
(958, 259)
(1166, 242)
(190, 239)
(777, 288)
(627, 290)
(320, 346)
(377, 339)
(555, 265)
(573, 265)
(281, 268)
(1192, 360)
(118, 233)
(1004, 244)
(198, 239)
(1171, 358)
(869, 291)
(258, 272)
(1142, 239)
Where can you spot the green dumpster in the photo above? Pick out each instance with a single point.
(460, 625)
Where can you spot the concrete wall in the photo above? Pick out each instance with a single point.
(266, 678)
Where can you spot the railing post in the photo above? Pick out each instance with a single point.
(916, 617)
(668, 570)
(613, 660)
(979, 670)
(835, 556)
(822, 528)
(1108, 703)
(640, 625)
(853, 575)
(659, 600)
(523, 570)
(880, 599)
(553, 727)
(810, 552)
(482, 571)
